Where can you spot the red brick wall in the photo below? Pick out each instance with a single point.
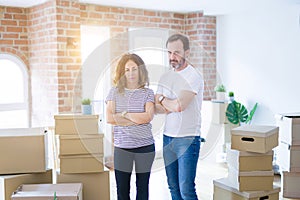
(69, 56)
(13, 32)
(39, 36)
(202, 32)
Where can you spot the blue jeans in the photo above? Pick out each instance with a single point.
(180, 157)
(143, 158)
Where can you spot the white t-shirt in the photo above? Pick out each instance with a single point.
(187, 122)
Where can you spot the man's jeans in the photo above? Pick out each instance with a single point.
(180, 157)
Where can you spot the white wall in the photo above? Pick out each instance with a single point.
(258, 57)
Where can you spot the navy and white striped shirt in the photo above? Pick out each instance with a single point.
(132, 101)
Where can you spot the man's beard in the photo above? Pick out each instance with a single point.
(178, 65)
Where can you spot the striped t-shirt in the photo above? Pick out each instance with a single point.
(132, 101)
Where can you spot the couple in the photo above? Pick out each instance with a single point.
(131, 106)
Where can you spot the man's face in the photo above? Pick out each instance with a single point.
(176, 54)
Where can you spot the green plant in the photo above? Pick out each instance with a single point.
(86, 101)
(237, 113)
(55, 197)
(250, 116)
(220, 88)
(231, 94)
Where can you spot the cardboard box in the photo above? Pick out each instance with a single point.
(9, 183)
(224, 191)
(288, 157)
(249, 161)
(290, 182)
(76, 124)
(79, 144)
(251, 181)
(254, 138)
(81, 163)
(289, 127)
(219, 112)
(23, 153)
(66, 191)
(95, 185)
(23, 131)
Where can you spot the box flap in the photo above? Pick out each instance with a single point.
(97, 156)
(256, 173)
(75, 116)
(82, 136)
(235, 172)
(255, 130)
(291, 115)
(23, 131)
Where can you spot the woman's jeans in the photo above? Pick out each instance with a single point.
(142, 158)
(180, 157)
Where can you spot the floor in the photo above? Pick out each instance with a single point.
(211, 164)
(207, 172)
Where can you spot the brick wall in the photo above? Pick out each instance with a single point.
(202, 32)
(39, 36)
(13, 32)
(69, 55)
(43, 64)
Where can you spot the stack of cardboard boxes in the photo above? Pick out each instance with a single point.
(288, 153)
(23, 159)
(80, 154)
(250, 174)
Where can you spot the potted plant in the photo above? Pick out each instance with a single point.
(220, 92)
(86, 107)
(231, 96)
(237, 113)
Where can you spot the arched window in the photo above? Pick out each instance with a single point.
(14, 112)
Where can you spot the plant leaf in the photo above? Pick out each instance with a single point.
(251, 113)
(236, 112)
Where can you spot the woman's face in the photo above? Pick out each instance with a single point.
(131, 72)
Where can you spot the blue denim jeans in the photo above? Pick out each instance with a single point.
(124, 160)
(180, 157)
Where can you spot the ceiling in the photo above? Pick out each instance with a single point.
(209, 7)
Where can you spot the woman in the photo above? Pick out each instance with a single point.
(130, 109)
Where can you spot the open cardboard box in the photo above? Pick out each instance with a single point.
(63, 191)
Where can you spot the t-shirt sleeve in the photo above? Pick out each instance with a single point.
(150, 96)
(196, 83)
(165, 83)
(111, 95)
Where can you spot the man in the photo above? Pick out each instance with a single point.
(179, 96)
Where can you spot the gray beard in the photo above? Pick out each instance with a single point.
(178, 65)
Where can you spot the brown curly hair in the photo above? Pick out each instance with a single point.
(120, 80)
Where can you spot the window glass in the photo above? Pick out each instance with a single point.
(11, 82)
(95, 51)
(14, 93)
